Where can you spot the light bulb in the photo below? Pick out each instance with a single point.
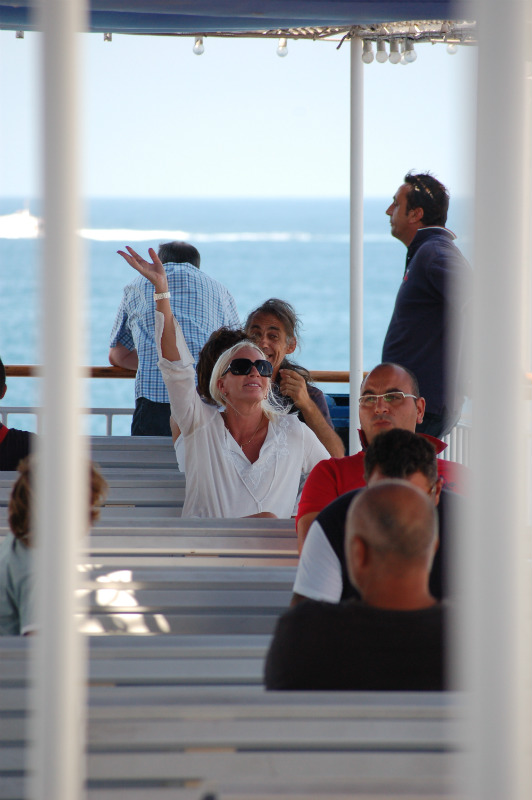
(198, 48)
(108, 37)
(410, 53)
(382, 55)
(452, 48)
(282, 48)
(395, 55)
(367, 52)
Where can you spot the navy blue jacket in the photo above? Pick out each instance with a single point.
(427, 304)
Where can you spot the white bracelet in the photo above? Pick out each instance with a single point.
(161, 295)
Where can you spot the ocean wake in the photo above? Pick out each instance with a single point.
(22, 225)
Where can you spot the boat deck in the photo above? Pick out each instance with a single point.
(179, 615)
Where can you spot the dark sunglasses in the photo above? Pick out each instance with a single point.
(243, 366)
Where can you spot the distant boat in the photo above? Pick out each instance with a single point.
(20, 225)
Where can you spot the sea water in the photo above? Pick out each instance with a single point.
(295, 249)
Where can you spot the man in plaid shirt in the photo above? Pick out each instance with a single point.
(200, 304)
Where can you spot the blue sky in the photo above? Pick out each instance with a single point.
(159, 121)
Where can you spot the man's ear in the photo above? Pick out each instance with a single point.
(420, 404)
(4, 390)
(359, 552)
(357, 561)
(434, 550)
(438, 486)
(292, 346)
(417, 214)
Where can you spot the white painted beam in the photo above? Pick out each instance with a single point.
(61, 508)
(498, 629)
(356, 305)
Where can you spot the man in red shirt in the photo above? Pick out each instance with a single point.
(14, 444)
(389, 398)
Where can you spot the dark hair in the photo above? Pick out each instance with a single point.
(19, 509)
(429, 194)
(2, 376)
(285, 313)
(399, 453)
(413, 380)
(179, 253)
(218, 342)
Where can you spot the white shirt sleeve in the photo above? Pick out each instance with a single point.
(186, 406)
(319, 574)
(179, 447)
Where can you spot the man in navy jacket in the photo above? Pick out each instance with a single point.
(426, 329)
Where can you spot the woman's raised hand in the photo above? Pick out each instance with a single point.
(153, 271)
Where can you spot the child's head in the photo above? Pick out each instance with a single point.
(21, 499)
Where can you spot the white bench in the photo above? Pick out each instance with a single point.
(144, 535)
(133, 493)
(164, 736)
(186, 599)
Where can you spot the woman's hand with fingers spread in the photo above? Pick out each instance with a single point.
(153, 271)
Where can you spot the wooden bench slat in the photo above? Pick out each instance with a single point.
(190, 575)
(157, 520)
(245, 702)
(119, 477)
(167, 600)
(131, 442)
(142, 560)
(321, 734)
(192, 624)
(172, 543)
(200, 766)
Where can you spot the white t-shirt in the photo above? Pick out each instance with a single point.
(220, 480)
(319, 572)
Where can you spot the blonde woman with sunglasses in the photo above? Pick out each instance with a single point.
(250, 460)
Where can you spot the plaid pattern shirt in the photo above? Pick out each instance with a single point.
(200, 304)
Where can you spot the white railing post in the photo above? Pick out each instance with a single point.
(496, 635)
(356, 319)
(60, 521)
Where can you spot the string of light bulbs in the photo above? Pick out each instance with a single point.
(399, 37)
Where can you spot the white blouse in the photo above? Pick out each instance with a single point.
(220, 480)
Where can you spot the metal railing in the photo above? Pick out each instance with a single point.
(108, 413)
(458, 440)
(34, 371)
(458, 443)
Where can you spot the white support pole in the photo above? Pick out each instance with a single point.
(498, 629)
(356, 323)
(61, 509)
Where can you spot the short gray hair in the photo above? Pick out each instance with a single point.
(394, 517)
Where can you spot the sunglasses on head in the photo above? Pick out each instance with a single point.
(243, 366)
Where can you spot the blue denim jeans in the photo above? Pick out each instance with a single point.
(150, 419)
